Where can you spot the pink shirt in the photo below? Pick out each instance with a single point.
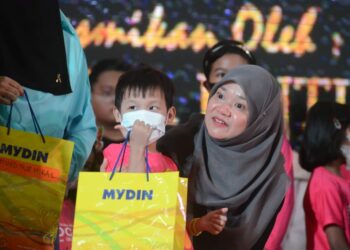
(326, 202)
(275, 239)
(157, 161)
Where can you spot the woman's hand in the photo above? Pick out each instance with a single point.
(10, 90)
(213, 222)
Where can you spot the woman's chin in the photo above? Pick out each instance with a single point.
(217, 134)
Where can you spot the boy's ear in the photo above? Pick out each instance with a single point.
(171, 115)
(117, 115)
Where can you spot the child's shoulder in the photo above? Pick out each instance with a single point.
(320, 171)
(171, 166)
(160, 162)
(322, 179)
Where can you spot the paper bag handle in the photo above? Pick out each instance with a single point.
(35, 121)
(122, 154)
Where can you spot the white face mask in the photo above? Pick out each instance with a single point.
(345, 149)
(155, 120)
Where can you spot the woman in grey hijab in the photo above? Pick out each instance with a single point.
(236, 165)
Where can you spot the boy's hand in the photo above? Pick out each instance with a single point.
(10, 90)
(140, 134)
(213, 222)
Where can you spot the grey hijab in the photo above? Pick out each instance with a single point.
(244, 173)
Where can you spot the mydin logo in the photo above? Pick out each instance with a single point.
(127, 194)
(24, 153)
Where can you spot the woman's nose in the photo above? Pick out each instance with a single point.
(225, 109)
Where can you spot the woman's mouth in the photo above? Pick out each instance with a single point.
(219, 122)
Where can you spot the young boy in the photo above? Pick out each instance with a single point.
(144, 105)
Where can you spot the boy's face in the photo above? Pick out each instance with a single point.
(153, 101)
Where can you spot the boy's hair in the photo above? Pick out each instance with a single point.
(142, 80)
(324, 134)
(107, 65)
(222, 48)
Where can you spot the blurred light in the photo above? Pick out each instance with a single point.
(182, 100)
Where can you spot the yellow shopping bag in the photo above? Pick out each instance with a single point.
(182, 241)
(33, 175)
(129, 212)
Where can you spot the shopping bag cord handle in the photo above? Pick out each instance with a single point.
(124, 149)
(148, 169)
(8, 125)
(122, 154)
(35, 121)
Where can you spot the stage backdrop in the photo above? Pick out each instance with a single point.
(305, 44)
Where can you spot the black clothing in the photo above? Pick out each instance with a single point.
(32, 50)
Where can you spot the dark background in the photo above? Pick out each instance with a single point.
(183, 65)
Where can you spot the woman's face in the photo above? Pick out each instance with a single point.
(227, 112)
(223, 65)
(103, 96)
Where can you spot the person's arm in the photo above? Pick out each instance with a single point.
(336, 238)
(327, 201)
(104, 165)
(213, 223)
(10, 90)
(139, 136)
(81, 126)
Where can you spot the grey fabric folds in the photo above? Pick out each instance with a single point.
(244, 173)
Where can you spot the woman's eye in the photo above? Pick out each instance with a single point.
(220, 74)
(133, 107)
(240, 106)
(219, 95)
